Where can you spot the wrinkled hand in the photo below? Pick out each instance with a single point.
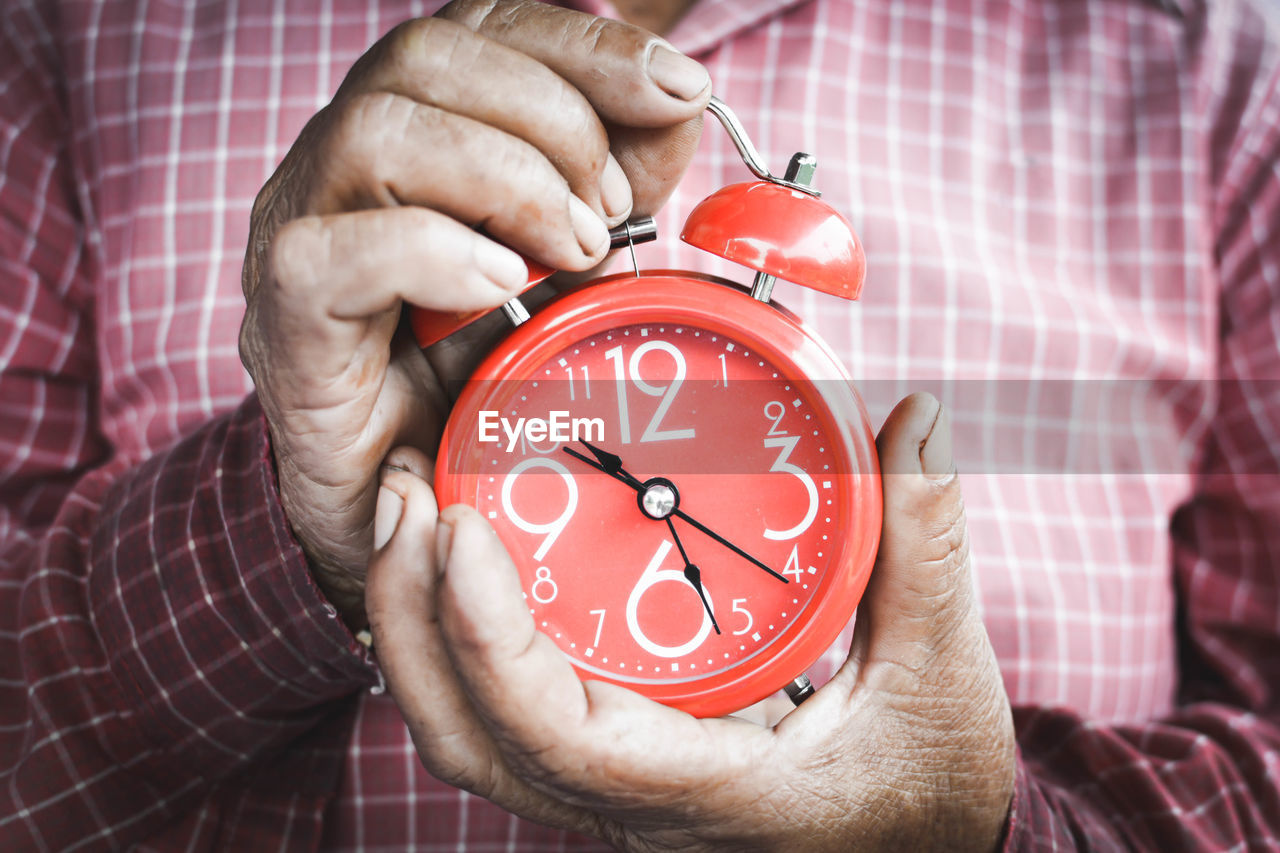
(910, 746)
(539, 125)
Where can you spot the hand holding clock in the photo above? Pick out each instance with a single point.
(909, 746)
(543, 125)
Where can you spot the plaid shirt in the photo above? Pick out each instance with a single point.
(1072, 218)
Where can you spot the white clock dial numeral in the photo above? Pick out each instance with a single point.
(667, 392)
(552, 528)
(599, 625)
(652, 576)
(724, 370)
(544, 588)
(787, 444)
(586, 382)
(793, 565)
(774, 411)
(652, 431)
(745, 612)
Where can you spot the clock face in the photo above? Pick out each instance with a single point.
(679, 501)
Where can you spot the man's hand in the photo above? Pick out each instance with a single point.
(910, 746)
(538, 126)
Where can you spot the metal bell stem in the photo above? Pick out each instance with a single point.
(799, 176)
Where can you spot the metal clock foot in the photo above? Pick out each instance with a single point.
(800, 689)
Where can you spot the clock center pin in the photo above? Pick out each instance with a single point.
(658, 499)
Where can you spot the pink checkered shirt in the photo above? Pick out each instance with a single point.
(1072, 217)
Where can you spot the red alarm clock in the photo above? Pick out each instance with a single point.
(681, 470)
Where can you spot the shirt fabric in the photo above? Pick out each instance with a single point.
(1071, 212)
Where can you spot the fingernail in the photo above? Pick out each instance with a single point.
(386, 517)
(444, 540)
(615, 189)
(935, 452)
(500, 265)
(591, 232)
(677, 74)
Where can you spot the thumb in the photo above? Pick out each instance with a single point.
(921, 589)
(399, 590)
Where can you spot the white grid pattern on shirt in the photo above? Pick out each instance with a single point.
(961, 228)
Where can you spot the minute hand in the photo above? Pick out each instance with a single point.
(617, 473)
(681, 514)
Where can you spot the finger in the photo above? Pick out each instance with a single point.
(334, 286)
(411, 459)
(443, 64)
(633, 80)
(382, 150)
(630, 76)
(920, 590)
(594, 744)
(400, 601)
(492, 638)
(767, 712)
(654, 159)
